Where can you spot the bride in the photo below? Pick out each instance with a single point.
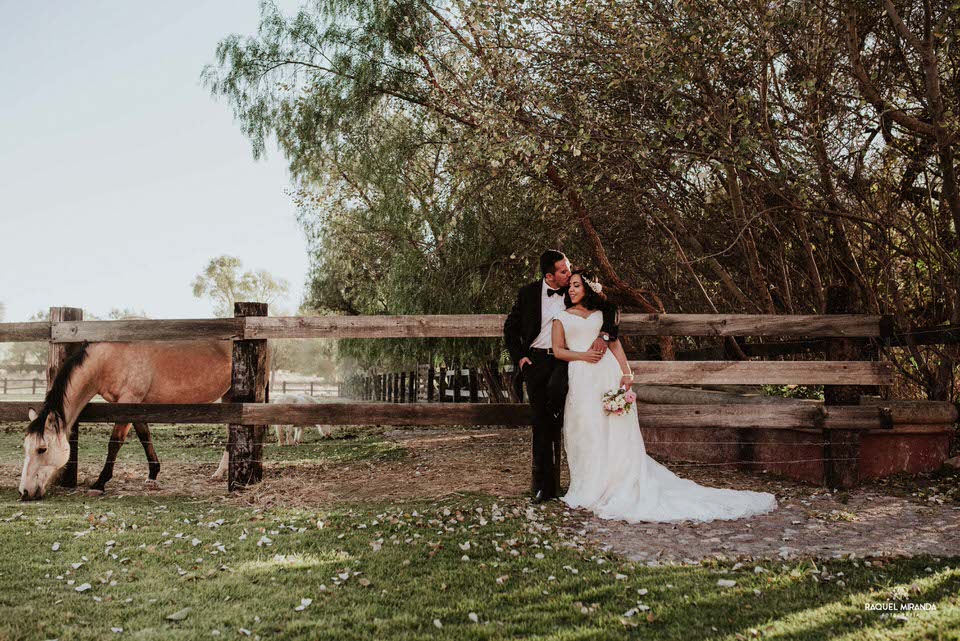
(610, 471)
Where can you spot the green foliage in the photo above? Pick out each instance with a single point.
(729, 156)
(401, 233)
(20, 354)
(795, 391)
(224, 283)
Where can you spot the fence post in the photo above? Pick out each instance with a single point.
(412, 387)
(4, 386)
(442, 391)
(431, 377)
(57, 353)
(403, 387)
(474, 388)
(396, 387)
(456, 383)
(248, 385)
(33, 392)
(841, 452)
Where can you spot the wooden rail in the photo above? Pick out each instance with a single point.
(447, 326)
(10, 385)
(848, 366)
(762, 372)
(789, 417)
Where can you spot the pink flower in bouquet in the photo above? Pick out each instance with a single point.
(630, 396)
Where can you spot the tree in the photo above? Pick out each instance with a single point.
(705, 156)
(34, 353)
(224, 283)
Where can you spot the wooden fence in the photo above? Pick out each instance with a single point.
(248, 414)
(311, 388)
(39, 386)
(424, 384)
(21, 385)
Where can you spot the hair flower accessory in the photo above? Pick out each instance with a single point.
(595, 286)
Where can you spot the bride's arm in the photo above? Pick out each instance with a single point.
(559, 340)
(617, 350)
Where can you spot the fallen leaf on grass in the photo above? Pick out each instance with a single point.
(179, 615)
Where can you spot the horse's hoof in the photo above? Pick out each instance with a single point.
(95, 491)
(151, 484)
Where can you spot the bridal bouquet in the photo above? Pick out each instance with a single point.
(619, 401)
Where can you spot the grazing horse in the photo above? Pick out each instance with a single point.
(149, 372)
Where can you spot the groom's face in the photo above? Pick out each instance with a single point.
(561, 274)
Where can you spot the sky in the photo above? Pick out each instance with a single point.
(120, 176)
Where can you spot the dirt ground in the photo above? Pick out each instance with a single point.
(887, 519)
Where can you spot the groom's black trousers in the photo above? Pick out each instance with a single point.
(546, 379)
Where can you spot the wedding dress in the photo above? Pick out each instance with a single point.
(610, 471)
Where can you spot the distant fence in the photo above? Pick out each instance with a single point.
(311, 388)
(851, 363)
(429, 384)
(34, 386)
(22, 385)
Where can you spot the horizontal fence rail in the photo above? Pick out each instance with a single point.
(762, 372)
(812, 416)
(446, 326)
(11, 385)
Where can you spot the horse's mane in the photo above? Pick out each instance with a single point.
(55, 397)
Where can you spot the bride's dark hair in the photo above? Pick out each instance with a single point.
(591, 300)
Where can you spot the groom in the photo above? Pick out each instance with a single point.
(528, 332)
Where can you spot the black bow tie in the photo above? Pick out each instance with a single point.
(551, 292)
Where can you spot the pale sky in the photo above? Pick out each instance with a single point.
(120, 176)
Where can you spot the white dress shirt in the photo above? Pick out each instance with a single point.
(550, 306)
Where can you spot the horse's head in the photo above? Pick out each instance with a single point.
(46, 450)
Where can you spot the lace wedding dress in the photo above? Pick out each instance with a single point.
(610, 471)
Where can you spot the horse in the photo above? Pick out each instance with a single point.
(292, 434)
(151, 372)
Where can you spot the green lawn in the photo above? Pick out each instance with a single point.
(395, 571)
(226, 570)
(205, 443)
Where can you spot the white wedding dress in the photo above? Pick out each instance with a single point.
(610, 471)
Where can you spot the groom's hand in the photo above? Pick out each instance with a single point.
(524, 361)
(599, 345)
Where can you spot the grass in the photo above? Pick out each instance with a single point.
(205, 444)
(230, 570)
(391, 571)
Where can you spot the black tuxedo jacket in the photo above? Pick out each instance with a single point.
(523, 322)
